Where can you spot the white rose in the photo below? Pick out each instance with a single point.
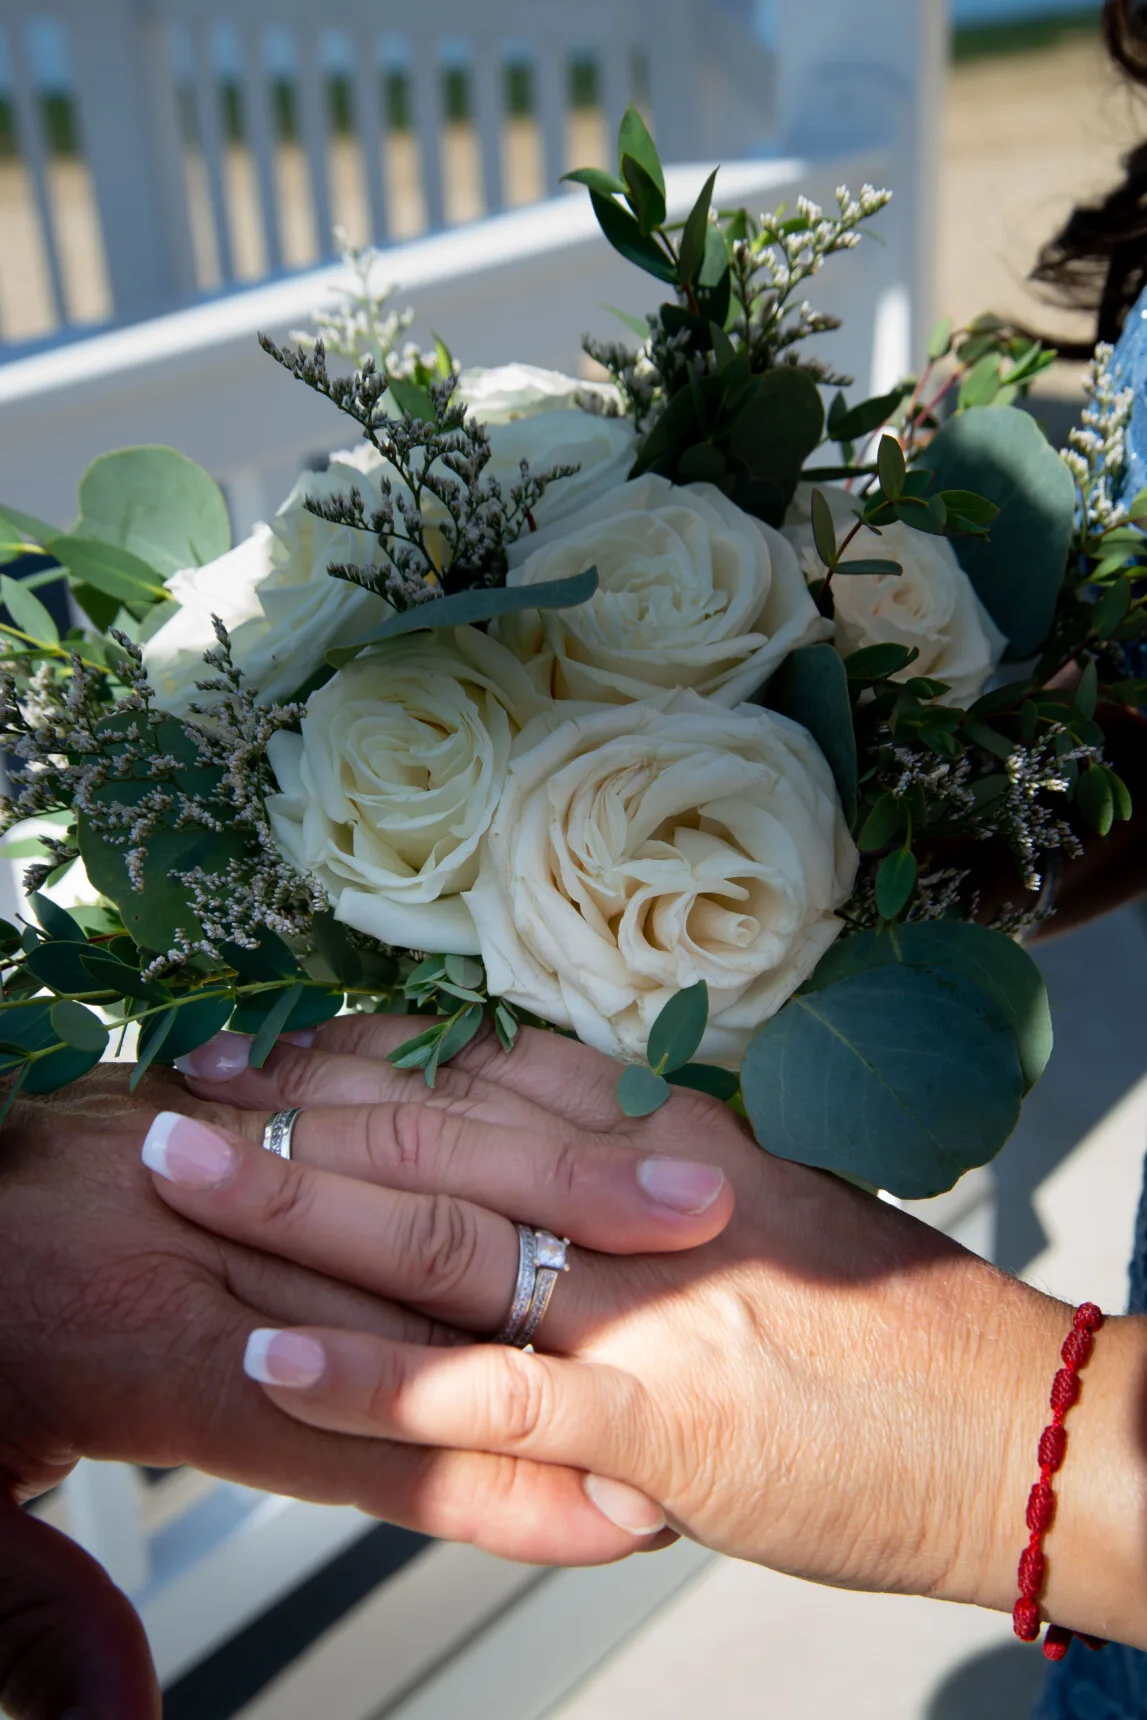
(692, 592)
(511, 391)
(228, 588)
(639, 849)
(534, 415)
(931, 605)
(390, 788)
(274, 595)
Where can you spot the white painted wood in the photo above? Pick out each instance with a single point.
(35, 153)
(371, 124)
(426, 85)
(541, 1650)
(262, 142)
(316, 134)
(209, 125)
(488, 85)
(105, 1515)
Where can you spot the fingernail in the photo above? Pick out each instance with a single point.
(284, 1358)
(186, 1152)
(302, 1036)
(681, 1185)
(221, 1059)
(625, 1507)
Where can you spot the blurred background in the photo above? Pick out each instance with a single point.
(172, 173)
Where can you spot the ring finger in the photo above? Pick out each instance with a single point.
(440, 1255)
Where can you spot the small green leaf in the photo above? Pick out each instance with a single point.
(626, 237)
(877, 662)
(273, 1024)
(1122, 796)
(940, 340)
(79, 1027)
(849, 424)
(850, 566)
(13, 1092)
(692, 249)
(468, 608)
(823, 529)
(27, 612)
(643, 195)
(1087, 691)
(895, 883)
(505, 1026)
(1096, 799)
(597, 179)
(634, 139)
(55, 920)
(411, 399)
(892, 468)
(465, 971)
(460, 1030)
(152, 1038)
(1137, 511)
(883, 825)
(33, 531)
(679, 1029)
(640, 1092)
(988, 738)
(415, 1053)
(197, 1020)
(109, 568)
(720, 1084)
(1111, 609)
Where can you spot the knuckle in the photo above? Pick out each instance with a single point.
(522, 1405)
(289, 1198)
(417, 1135)
(442, 1243)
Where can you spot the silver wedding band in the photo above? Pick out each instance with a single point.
(277, 1134)
(541, 1257)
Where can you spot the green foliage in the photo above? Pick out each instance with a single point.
(156, 504)
(1000, 453)
(906, 1077)
(640, 1092)
(811, 687)
(27, 612)
(895, 882)
(469, 608)
(108, 568)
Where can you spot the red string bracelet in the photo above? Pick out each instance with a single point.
(1026, 1620)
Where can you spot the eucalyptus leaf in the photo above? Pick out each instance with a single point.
(907, 1077)
(411, 399)
(1000, 453)
(196, 1021)
(811, 687)
(56, 921)
(640, 1092)
(27, 612)
(153, 1036)
(157, 504)
(273, 1023)
(108, 568)
(895, 882)
(468, 608)
(720, 1084)
(996, 963)
(108, 974)
(78, 1027)
(679, 1029)
(33, 531)
(1095, 799)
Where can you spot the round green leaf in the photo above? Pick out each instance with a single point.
(195, 1023)
(907, 1077)
(1000, 453)
(158, 504)
(640, 1092)
(79, 1027)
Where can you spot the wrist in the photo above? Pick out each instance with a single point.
(1096, 1580)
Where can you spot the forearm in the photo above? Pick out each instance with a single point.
(1096, 1547)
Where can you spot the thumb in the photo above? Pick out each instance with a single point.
(71, 1645)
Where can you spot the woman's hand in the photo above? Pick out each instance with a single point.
(829, 1387)
(119, 1324)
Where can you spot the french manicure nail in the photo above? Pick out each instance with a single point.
(277, 1358)
(221, 1059)
(681, 1185)
(625, 1507)
(187, 1152)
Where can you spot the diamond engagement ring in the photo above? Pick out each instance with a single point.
(541, 1257)
(277, 1134)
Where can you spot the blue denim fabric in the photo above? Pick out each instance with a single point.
(1112, 1685)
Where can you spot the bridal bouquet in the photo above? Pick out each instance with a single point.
(732, 726)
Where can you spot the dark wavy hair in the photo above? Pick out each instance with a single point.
(1098, 262)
